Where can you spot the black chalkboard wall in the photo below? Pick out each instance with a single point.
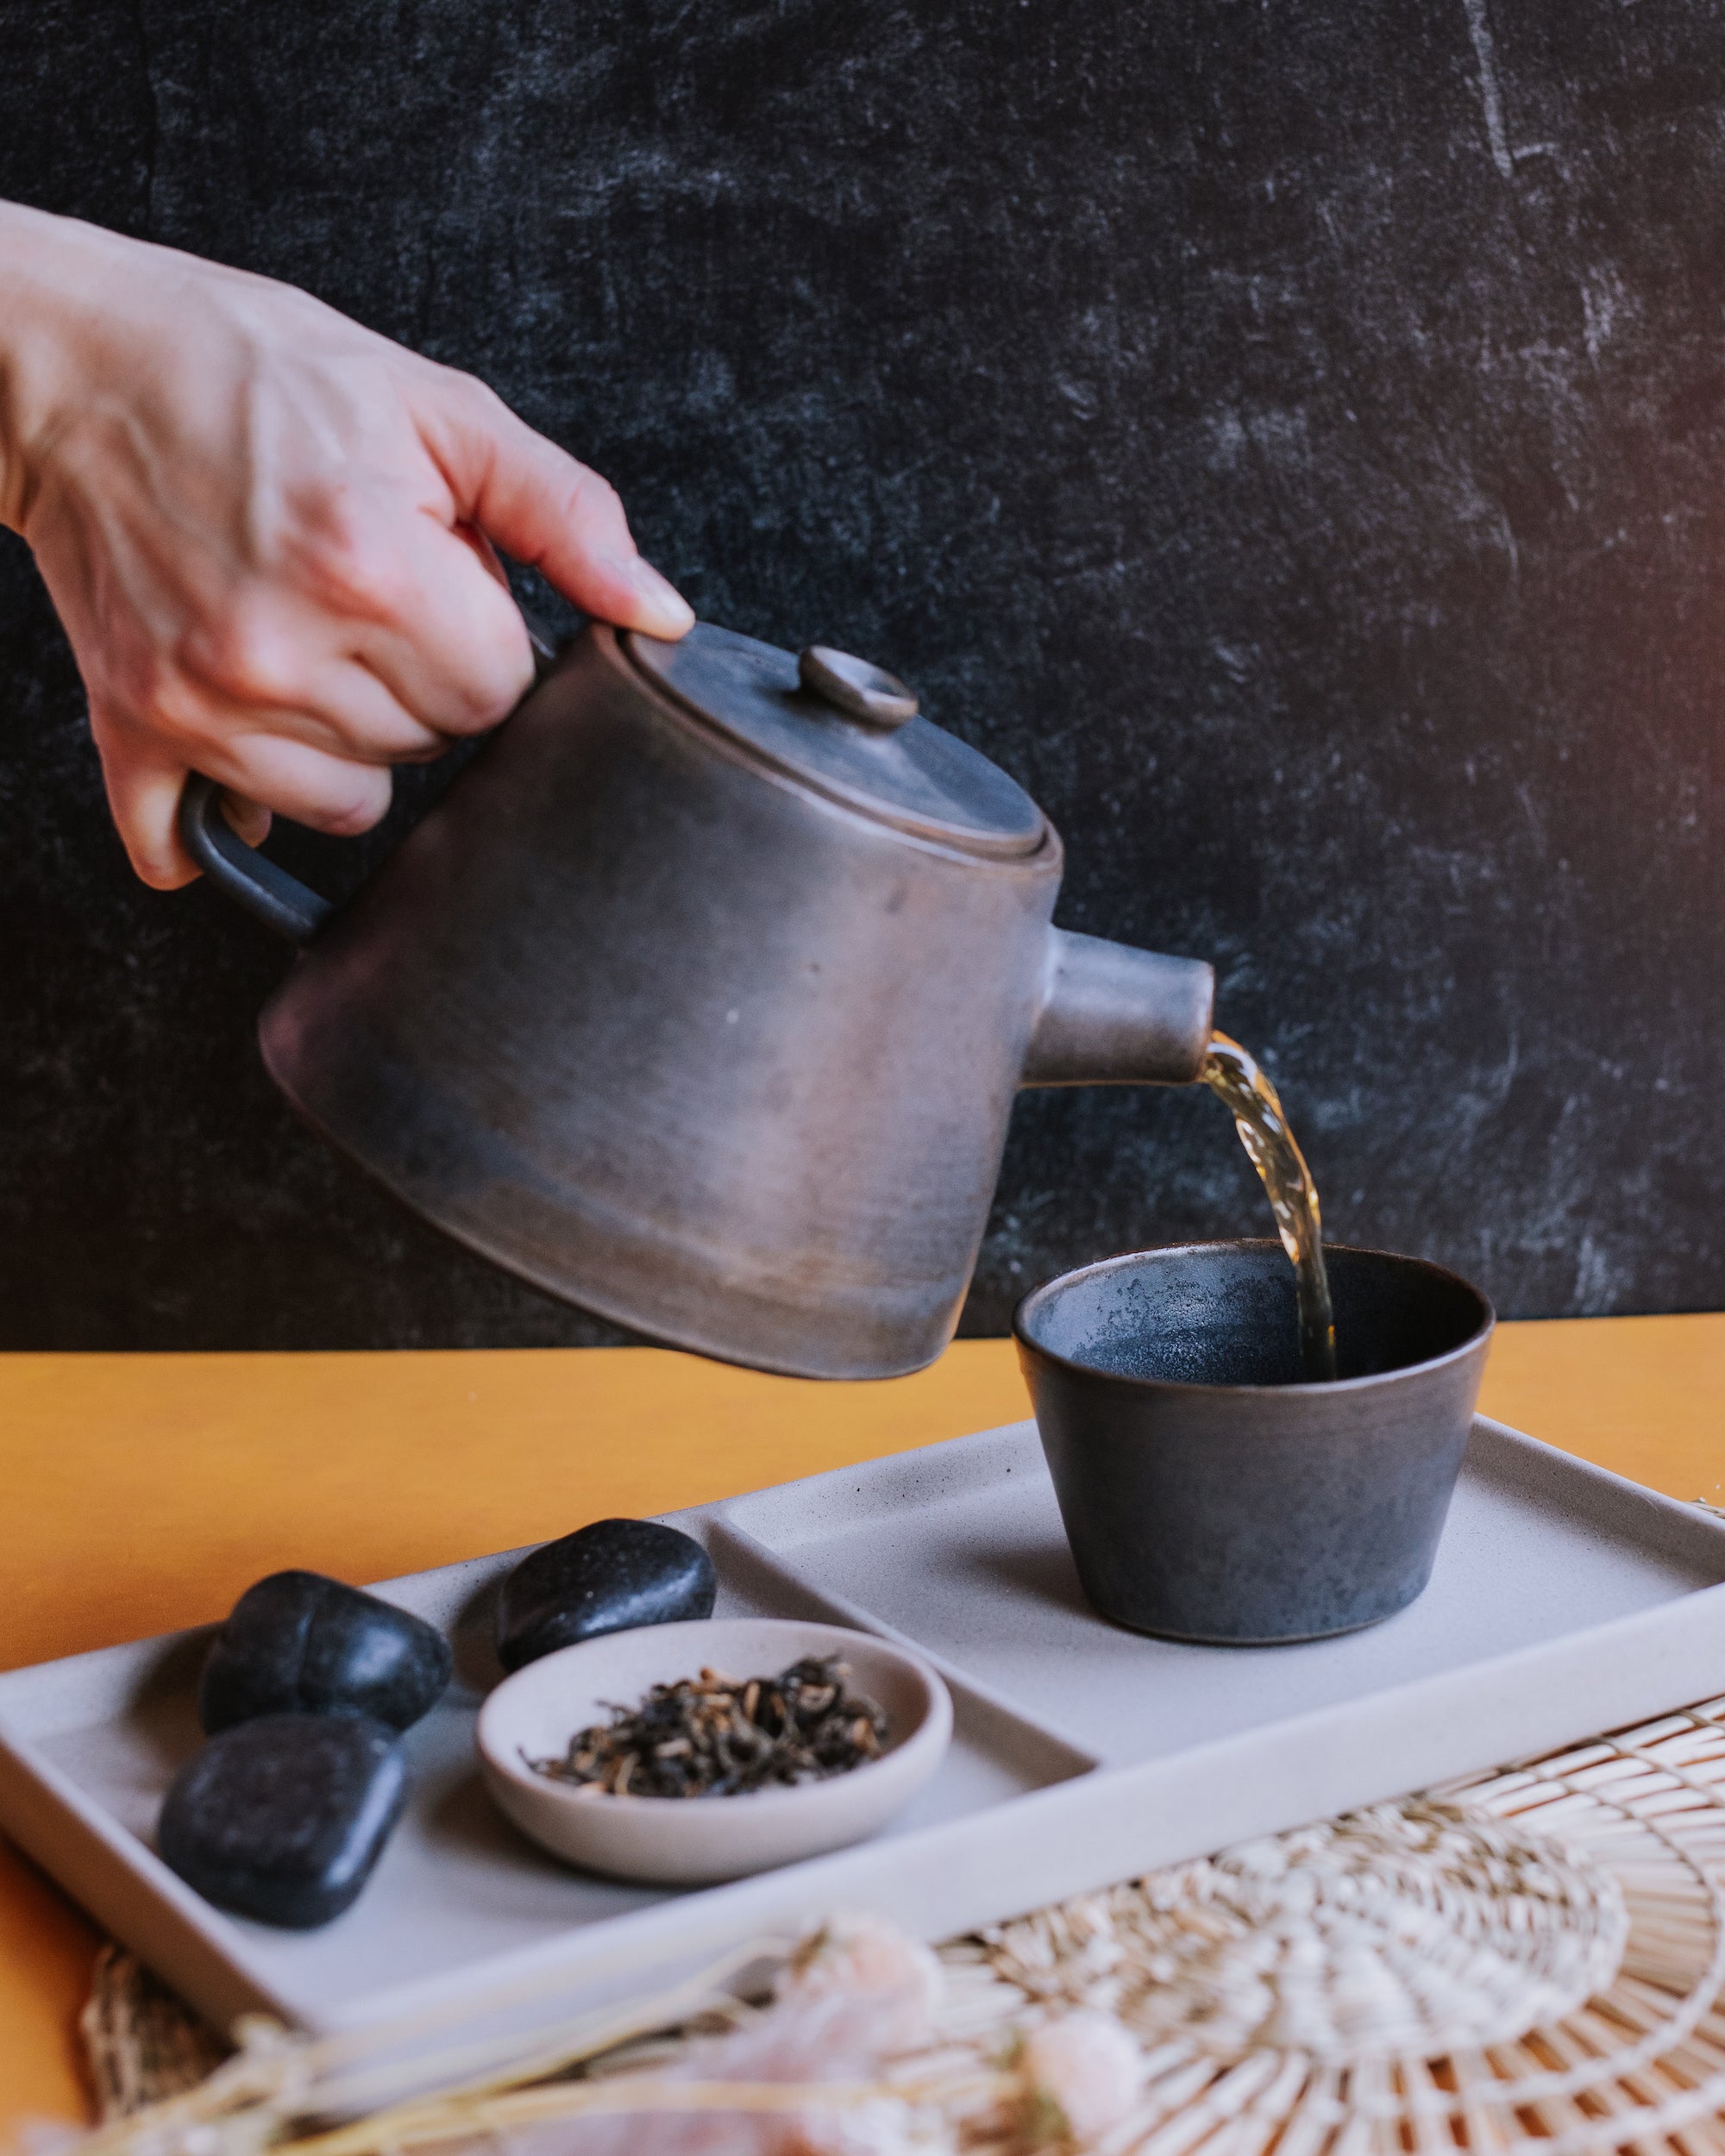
(1289, 437)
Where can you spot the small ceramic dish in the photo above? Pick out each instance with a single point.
(695, 1841)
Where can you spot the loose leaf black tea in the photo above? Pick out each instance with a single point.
(1235, 1078)
(722, 1736)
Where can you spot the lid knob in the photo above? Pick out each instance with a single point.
(856, 687)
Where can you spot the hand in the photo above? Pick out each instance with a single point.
(269, 532)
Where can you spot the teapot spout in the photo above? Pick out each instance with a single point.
(1114, 1016)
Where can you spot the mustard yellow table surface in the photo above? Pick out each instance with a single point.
(144, 1492)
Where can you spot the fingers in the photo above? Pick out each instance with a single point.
(543, 507)
(423, 607)
(457, 660)
(371, 572)
(265, 700)
(251, 820)
(470, 536)
(334, 700)
(261, 772)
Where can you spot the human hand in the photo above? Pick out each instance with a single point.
(267, 531)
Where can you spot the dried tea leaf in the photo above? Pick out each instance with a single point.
(715, 1736)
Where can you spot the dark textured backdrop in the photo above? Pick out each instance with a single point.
(1290, 438)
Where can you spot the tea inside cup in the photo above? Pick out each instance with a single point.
(1210, 1494)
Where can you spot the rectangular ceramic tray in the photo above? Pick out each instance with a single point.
(1564, 1600)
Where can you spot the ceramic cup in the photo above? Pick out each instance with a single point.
(1207, 1493)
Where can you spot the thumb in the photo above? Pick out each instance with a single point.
(541, 507)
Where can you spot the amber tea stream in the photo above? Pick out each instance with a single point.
(1235, 1078)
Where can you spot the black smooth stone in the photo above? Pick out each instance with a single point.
(282, 1818)
(608, 1578)
(300, 1644)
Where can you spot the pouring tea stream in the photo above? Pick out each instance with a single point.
(1239, 1081)
(701, 997)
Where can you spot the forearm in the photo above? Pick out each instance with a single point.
(70, 292)
(50, 269)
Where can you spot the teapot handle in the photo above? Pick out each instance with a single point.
(240, 872)
(1114, 1016)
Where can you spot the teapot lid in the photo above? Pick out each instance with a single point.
(847, 729)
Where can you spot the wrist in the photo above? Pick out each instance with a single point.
(58, 286)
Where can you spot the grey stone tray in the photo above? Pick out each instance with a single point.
(1564, 1600)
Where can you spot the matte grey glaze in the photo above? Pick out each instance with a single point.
(1206, 1493)
(855, 686)
(702, 1004)
(1114, 1016)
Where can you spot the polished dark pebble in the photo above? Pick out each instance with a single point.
(282, 1818)
(607, 1577)
(300, 1644)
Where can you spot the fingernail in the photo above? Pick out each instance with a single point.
(660, 592)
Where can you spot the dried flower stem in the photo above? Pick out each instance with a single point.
(418, 2125)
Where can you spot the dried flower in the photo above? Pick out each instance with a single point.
(868, 1968)
(1086, 2068)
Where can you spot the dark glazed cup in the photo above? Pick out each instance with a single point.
(1207, 1493)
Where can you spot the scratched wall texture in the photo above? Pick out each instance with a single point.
(1291, 439)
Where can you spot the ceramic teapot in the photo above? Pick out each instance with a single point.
(701, 997)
